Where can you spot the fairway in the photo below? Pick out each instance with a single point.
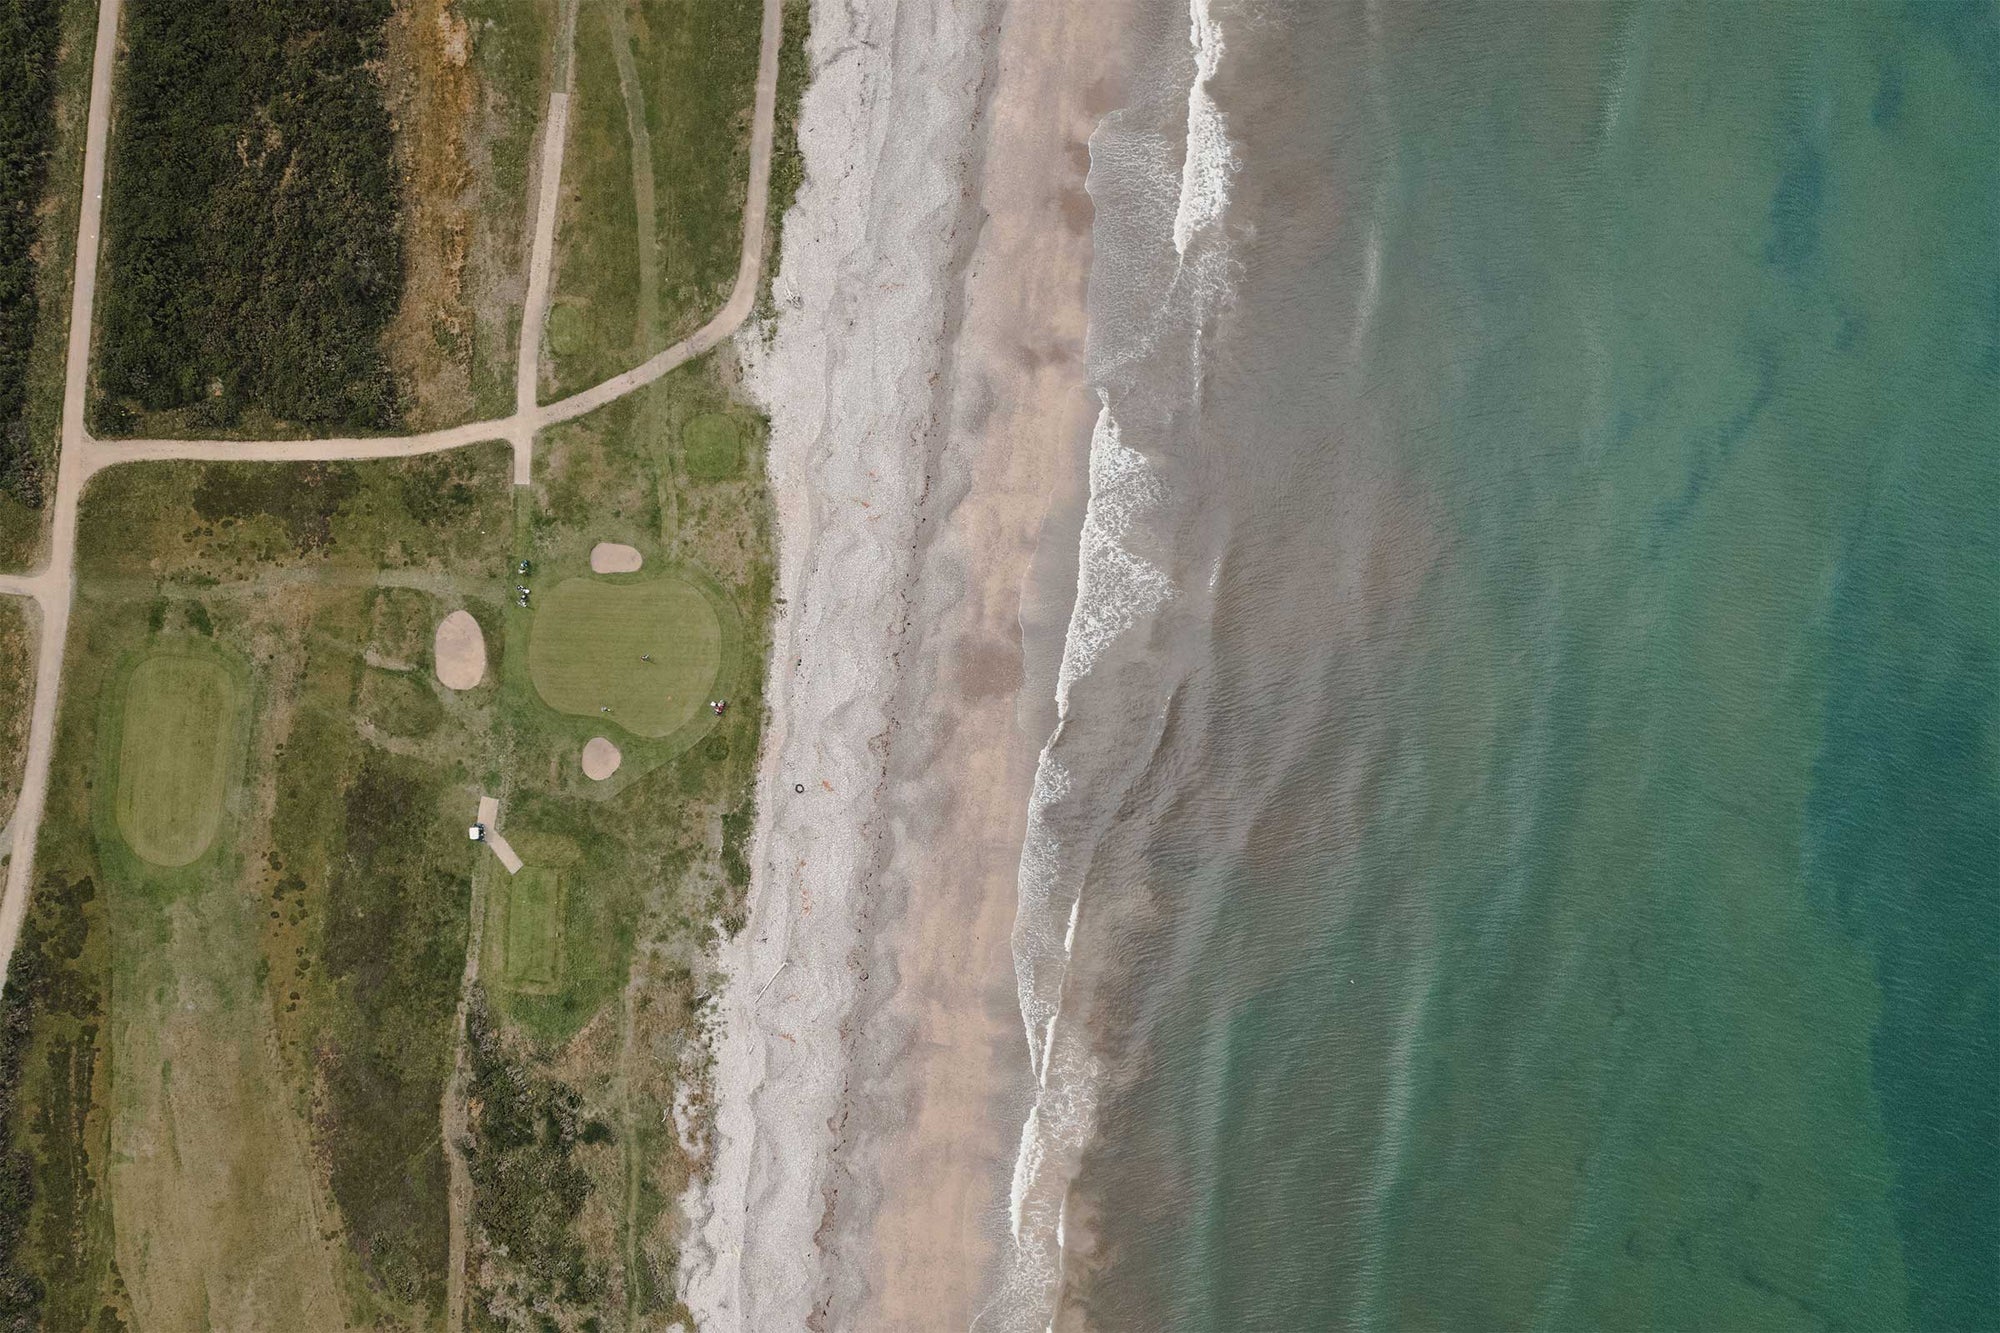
(533, 949)
(591, 639)
(173, 756)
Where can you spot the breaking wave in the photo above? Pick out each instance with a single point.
(1210, 157)
(1150, 299)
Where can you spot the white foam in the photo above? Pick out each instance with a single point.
(1371, 288)
(1052, 1140)
(1027, 1162)
(1039, 874)
(1211, 159)
(1115, 587)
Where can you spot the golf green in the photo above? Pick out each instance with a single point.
(641, 655)
(173, 756)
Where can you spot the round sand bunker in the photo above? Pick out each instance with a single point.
(615, 558)
(461, 652)
(600, 759)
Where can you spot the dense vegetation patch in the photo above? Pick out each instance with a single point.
(29, 32)
(17, 688)
(253, 257)
(395, 946)
(303, 498)
(528, 1190)
(50, 1020)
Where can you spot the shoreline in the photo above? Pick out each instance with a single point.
(930, 419)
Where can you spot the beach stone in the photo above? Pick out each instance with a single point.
(615, 558)
(600, 759)
(460, 651)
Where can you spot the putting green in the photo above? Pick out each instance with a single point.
(533, 952)
(173, 756)
(588, 648)
(712, 447)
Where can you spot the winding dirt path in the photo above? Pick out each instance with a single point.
(82, 457)
(54, 588)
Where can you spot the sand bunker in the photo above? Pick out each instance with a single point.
(461, 652)
(600, 759)
(615, 558)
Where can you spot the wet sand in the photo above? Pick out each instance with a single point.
(928, 404)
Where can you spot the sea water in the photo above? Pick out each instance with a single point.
(1521, 845)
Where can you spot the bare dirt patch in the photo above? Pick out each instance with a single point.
(600, 759)
(460, 651)
(429, 91)
(615, 558)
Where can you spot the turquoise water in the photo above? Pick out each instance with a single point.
(1561, 885)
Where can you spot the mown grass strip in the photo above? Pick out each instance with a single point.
(181, 713)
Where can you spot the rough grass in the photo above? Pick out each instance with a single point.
(53, 1241)
(528, 1188)
(431, 92)
(511, 41)
(696, 72)
(17, 688)
(400, 704)
(176, 729)
(393, 943)
(588, 640)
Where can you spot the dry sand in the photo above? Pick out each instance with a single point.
(460, 651)
(600, 759)
(615, 558)
(872, 1071)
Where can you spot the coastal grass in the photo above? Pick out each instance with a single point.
(648, 652)
(788, 164)
(17, 689)
(181, 713)
(688, 84)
